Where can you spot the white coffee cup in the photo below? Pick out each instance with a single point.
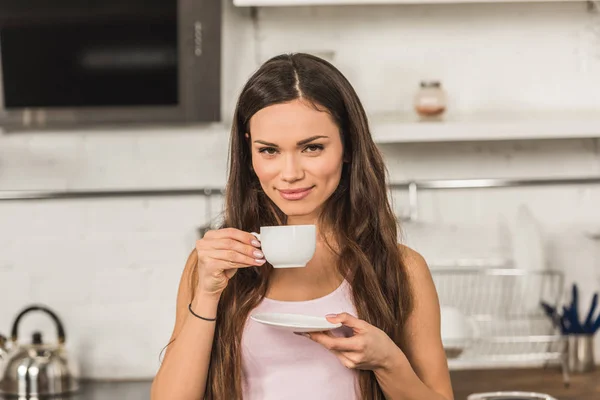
(288, 246)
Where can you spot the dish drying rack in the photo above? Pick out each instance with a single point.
(504, 304)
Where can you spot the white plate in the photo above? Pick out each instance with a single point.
(295, 322)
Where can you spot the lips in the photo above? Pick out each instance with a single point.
(291, 191)
(295, 194)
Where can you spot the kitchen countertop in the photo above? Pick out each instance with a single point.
(548, 381)
(100, 390)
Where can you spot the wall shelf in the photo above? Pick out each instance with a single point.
(397, 128)
(267, 3)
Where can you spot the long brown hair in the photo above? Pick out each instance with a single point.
(357, 217)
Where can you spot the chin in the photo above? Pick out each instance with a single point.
(297, 210)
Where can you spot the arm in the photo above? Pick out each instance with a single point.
(213, 262)
(421, 372)
(184, 369)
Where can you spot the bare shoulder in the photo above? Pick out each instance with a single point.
(413, 260)
(419, 274)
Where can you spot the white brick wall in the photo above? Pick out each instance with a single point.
(110, 267)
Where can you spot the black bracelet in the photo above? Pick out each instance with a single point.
(196, 315)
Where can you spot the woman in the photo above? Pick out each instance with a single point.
(302, 153)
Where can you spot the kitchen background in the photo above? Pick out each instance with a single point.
(110, 266)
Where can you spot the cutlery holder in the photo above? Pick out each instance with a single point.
(580, 353)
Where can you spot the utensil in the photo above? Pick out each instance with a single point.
(295, 322)
(588, 321)
(37, 369)
(596, 325)
(557, 320)
(569, 321)
(575, 308)
(591, 324)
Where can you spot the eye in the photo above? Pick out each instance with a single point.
(313, 148)
(267, 150)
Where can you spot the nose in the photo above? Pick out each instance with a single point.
(292, 170)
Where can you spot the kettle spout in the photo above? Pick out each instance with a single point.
(3, 349)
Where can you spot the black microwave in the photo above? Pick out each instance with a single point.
(68, 63)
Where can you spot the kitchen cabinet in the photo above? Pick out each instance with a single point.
(549, 381)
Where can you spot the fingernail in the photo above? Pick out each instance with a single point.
(261, 261)
(302, 334)
(258, 254)
(255, 243)
(331, 315)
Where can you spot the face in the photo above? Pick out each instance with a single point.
(297, 154)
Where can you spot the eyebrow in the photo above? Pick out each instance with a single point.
(300, 143)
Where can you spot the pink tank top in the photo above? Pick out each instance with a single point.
(278, 364)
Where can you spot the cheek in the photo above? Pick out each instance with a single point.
(326, 168)
(264, 170)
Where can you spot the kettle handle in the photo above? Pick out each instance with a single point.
(59, 327)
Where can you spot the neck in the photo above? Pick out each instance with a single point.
(321, 268)
(302, 220)
(309, 219)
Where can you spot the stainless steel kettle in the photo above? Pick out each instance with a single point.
(37, 369)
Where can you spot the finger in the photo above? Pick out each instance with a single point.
(233, 244)
(345, 360)
(233, 259)
(347, 320)
(335, 343)
(233, 233)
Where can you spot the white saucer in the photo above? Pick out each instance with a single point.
(295, 322)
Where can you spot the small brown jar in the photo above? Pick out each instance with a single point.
(430, 101)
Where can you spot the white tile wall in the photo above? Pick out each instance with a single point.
(110, 267)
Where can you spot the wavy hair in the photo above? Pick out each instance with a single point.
(357, 218)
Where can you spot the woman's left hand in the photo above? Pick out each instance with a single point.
(370, 348)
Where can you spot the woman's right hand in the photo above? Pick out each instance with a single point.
(220, 253)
